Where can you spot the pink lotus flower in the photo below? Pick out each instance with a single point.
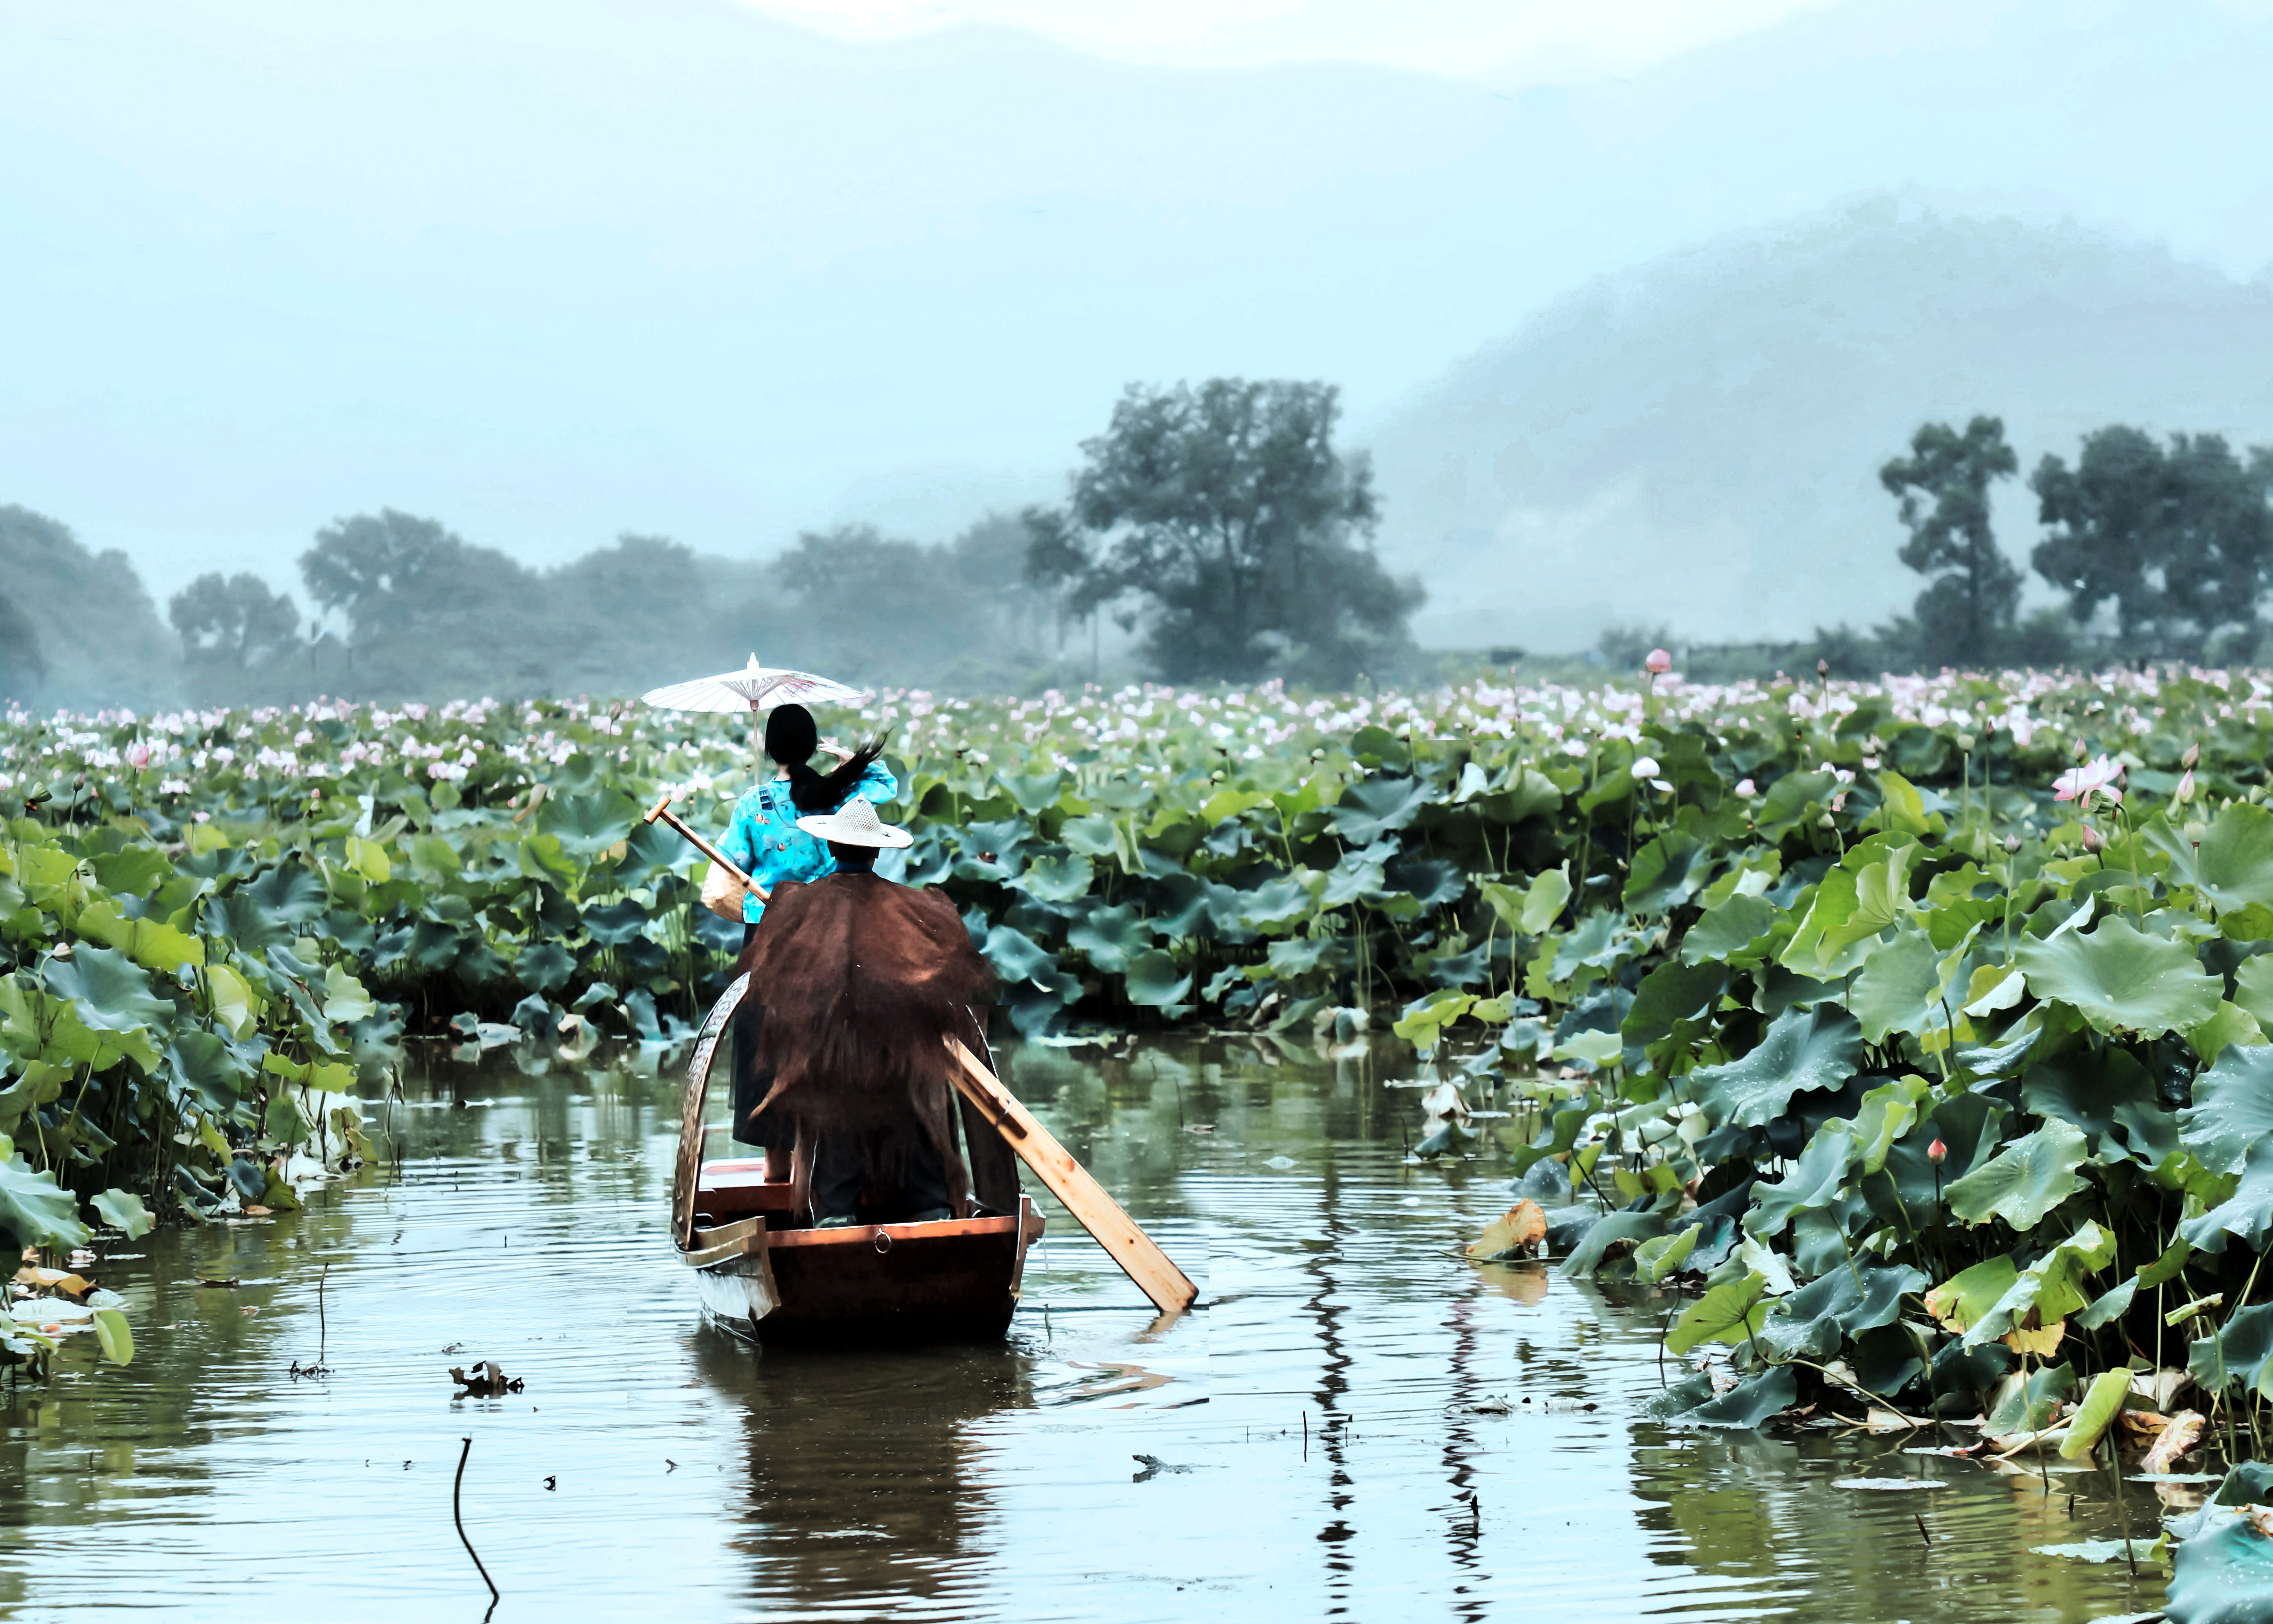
(2096, 776)
(138, 755)
(1937, 1153)
(1747, 790)
(1659, 663)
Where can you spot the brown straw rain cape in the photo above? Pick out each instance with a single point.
(862, 980)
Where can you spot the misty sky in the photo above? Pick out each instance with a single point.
(551, 271)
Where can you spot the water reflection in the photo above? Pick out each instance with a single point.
(1357, 1423)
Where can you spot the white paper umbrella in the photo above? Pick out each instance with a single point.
(753, 688)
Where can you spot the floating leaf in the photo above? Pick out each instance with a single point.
(1523, 1226)
(123, 1209)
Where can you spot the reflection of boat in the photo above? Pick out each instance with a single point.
(762, 1272)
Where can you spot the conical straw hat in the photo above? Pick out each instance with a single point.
(855, 824)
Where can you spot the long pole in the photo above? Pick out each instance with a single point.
(661, 809)
(1129, 1246)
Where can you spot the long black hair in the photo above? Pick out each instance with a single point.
(791, 738)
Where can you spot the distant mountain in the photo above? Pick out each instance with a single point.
(1696, 442)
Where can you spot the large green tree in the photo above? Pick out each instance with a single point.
(233, 620)
(1222, 520)
(2177, 540)
(1972, 589)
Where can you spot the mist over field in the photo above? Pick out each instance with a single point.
(1625, 347)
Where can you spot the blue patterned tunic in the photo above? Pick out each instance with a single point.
(765, 842)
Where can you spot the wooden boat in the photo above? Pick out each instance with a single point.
(762, 1272)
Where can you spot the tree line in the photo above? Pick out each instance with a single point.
(1216, 528)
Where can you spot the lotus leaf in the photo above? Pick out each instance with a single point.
(2247, 1212)
(1659, 1259)
(2240, 1353)
(2233, 1108)
(2028, 1404)
(2049, 1290)
(1058, 879)
(2224, 1575)
(588, 825)
(2120, 978)
(1802, 1051)
(2234, 865)
(208, 1068)
(35, 1210)
(544, 966)
(1901, 988)
(1424, 1019)
(2022, 1182)
(2086, 1088)
(1108, 936)
(1153, 980)
(1751, 1403)
(1812, 1183)
(287, 894)
(111, 992)
(1593, 941)
(123, 1209)
(1668, 871)
(1672, 993)
(1586, 1257)
(1016, 956)
(1960, 1302)
(1378, 806)
(1728, 931)
(1730, 1312)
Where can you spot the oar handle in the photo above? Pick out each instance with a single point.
(661, 809)
(1126, 1244)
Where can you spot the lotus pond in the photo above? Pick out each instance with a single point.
(1912, 1035)
(1361, 1422)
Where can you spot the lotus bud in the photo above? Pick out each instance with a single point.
(1659, 663)
(2012, 844)
(1822, 667)
(1937, 1153)
(2091, 840)
(2081, 753)
(2192, 757)
(1645, 766)
(1746, 789)
(1824, 822)
(2185, 792)
(138, 754)
(1965, 743)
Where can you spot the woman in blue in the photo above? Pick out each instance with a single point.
(764, 842)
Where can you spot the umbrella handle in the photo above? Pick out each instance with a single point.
(661, 809)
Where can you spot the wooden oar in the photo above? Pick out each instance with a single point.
(1070, 1181)
(661, 809)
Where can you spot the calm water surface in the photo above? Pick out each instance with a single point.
(1307, 1445)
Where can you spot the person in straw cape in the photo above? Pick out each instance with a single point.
(862, 981)
(766, 842)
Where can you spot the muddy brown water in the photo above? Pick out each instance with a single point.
(1307, 1444)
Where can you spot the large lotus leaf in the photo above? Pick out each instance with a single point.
(287, 895)
(2233, 1108)
(1801, 1050)
(1587, 1256)
(243, 924)
(109, 991)
(2088, 1087)
(1091, 835)
(1728, 931)
(1811, 1184)
(1190, 906)
(1108, 936)
(2234, 865)
(2252, 988)
(1433, 882)
(1153, 981)
(1804, 1325)
(1543, 900)
(1654, 1259)
(2247, 1212)
(1057, 880)
(587, 826)
(1016, 957)
(2049, 1290)
(2118, 978)
(1868, 891)
(1276, 903)
(1668, 870)
(1034, 795)
(613, 924)
(1378, 806)
(151, 943)
(1889, 1111)
(2238, 1354)
(1960, 1301)
(1672, 993)
(123, 1209)
(544, 966)
(2025, 1180)
(34, 1210)
(2223, 1576)
(131, 872)
(205, 1066)
(1901, 988)
(2031, 1403)
(1729, 1311)
(650, 850)
(1594, 941)
(1750, 1404)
